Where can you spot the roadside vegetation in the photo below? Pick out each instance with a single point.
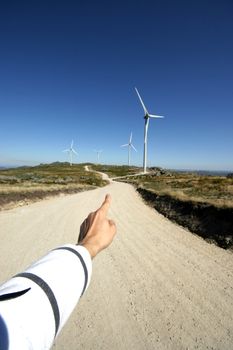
(216, 190)
(21, 185)
(185, 187)
(116, 170)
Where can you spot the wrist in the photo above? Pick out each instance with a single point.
(90, 248)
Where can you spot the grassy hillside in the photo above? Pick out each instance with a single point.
(116, 170)
(185, 187)
(216, 190)
(33, 183)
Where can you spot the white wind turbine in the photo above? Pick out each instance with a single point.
(98, 154)
(71, 151)
(147, 118)
(130, 145)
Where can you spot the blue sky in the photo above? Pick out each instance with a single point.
(68, 71)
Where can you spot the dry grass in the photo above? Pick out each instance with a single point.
(216, 190)
(60, 177)
(204, 189)
(24, 185)
(31, 187)
(116, 170)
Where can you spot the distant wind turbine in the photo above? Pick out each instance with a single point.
(130, 145)
(98, 155)
(147, 118)
(71, 151)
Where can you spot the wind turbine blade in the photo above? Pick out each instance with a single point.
(143, 106)
(72, 143)
(130, 139)
(155, 116)
(66, 150)
(125, 145)
(74, 151)
(133, 147)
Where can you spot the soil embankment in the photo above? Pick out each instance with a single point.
(15, 199)
(208, 221)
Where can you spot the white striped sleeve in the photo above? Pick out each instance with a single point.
(35, 304)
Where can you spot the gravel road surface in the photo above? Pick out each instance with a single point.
(157, 287)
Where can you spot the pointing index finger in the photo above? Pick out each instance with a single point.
(106, 204)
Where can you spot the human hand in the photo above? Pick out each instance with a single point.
(97, 231)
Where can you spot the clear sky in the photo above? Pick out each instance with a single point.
(68, 71)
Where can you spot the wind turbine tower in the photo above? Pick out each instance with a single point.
(147, 119)
(71, 151)
(130, 145)
(98, 155)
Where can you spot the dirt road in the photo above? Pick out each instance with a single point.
(157, 287)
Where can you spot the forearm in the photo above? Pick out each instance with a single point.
(53, 287)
